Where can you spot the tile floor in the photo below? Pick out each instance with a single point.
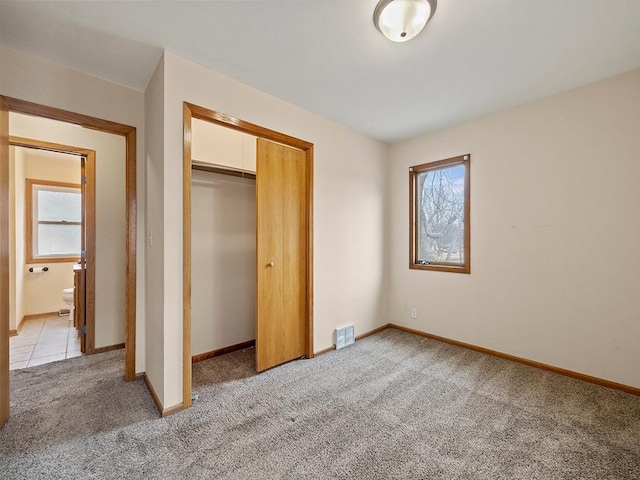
(44, 340)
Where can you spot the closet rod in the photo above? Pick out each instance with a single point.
(209, 167)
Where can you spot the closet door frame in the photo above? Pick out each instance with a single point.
(191, 111)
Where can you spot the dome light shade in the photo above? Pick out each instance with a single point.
(401, 20)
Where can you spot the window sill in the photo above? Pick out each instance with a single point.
(441, 268)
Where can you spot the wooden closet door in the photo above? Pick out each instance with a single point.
(281, 226)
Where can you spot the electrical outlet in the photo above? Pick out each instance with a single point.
(414, 313)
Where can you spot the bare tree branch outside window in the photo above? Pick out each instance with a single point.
(440, 215)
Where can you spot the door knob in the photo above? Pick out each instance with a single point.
(270, 264)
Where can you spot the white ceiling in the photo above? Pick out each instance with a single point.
(474, 57)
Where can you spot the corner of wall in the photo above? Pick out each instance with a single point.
(154, 231)
(553, 201)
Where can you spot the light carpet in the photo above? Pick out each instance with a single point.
(394, 405)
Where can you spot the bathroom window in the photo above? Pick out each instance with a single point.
(54, 221)
(439, 215)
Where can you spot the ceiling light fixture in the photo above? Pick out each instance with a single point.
(401, 20)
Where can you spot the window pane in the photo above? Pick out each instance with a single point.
(440, 215)
(58, 240)
(57, 206)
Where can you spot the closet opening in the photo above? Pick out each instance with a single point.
(223, 252)
(248, 242)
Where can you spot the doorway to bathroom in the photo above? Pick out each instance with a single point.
(121, 268)
(52, 215)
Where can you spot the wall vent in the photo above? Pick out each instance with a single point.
(344, 336)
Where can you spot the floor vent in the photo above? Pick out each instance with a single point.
(344, 336)
(63, 311)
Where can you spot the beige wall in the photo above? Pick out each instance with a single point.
(223, 271)
(54, 169)
(154, 323)
(110, 215)
(555, 228)
(42, 292)
(31, 78)
(349, 209)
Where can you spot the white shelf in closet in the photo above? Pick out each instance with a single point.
(222, 146)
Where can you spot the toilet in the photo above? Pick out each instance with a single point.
(67, 296)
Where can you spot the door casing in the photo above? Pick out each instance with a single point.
(191, 111)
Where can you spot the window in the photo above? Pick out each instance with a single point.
(439, 215)
(54, 221)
